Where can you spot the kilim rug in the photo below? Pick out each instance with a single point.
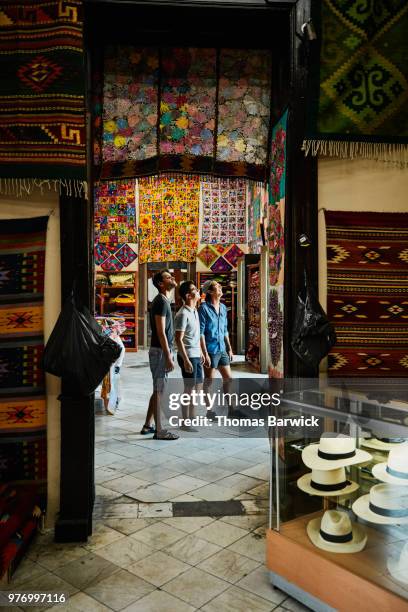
(22, 383)
(367, 293)
(360, 85)
(42, 110)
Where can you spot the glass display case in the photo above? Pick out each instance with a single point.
(338, 511)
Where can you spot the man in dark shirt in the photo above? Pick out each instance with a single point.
(160, 355)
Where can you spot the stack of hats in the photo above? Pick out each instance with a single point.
(382, 444)
(334, 531)
(387, 503)
(328, 460)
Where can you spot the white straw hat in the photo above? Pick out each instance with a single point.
(395, 469)
(398, 568)
(385, 505)
(336, 533)
(333, 451)
(382, 444)
(327, 482)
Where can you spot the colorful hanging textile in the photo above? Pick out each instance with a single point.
(191, 110)
(115, 224)
(42, 109)
(275, 330)
(277, 192)
(168, 218)
(207, 255)
(367, 293)
(224, 214)
(255, 216)
(360, 86)
(22, 383)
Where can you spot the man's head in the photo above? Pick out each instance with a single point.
(189, 292)
(164, 281)
(212, 290)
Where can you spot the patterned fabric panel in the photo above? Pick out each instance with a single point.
(224, 211)
(367, 293)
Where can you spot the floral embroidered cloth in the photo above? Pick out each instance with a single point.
(224, 204)
(168, 218)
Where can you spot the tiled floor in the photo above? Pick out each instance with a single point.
(140, 557)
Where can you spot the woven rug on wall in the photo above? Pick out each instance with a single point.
(367, 293)
(22, 384)
(42, 102)
(360, 83)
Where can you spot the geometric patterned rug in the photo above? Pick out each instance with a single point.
(367, 293)
(22, 384)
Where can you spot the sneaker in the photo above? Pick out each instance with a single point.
(188, 428)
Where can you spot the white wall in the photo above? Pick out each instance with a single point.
(37, 205)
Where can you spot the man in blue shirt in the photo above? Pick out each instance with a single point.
(214, 338)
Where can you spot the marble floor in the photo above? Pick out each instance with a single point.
(142, 558)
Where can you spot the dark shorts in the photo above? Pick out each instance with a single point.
(197, 373)
(157, 362)
(219, 359)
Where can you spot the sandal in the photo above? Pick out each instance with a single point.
(147, 429)
(165, 435)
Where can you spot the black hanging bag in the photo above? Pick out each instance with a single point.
(78, 350)
(313, 334)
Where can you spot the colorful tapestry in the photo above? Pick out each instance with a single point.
(233, 254)
(42, 109)
(275, 331)
(191, 110)
(207, 255)
(168, 218)
(256, 197)
(275, 233)
(360, 86)
(115, 224)
(224, 211)
(367, 293)
(188, 101)
(22, 385)
(244, 105)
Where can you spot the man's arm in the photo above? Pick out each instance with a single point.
(226, 337)
(202, 317)
(188, 366)
(161, 334)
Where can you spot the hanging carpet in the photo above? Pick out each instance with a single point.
(360, 84)
(42, 109)
(22, 383)
(189, 110)
(367, 293)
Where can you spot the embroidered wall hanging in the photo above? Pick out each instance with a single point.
(219, 257)
(367, 293)
(257, 200)
(191, 110)
(275, 331)
(275, 231)
(168, 218)
(115, 225)
(42, 109)
(22, 382)
(224, 211)
(360, 85)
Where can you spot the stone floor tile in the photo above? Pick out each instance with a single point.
(47, 583)
(186, 497)
(246, 521)
(153, 493)
(106, 459)
(210, 472)
(102, 536)
(261, 491)
(258, 582)
(189, 524)
(222, 534)
(293, 605)
(196, 587)
(158, 601)
(124, 484)
(27, 570)
(184, 483)
(119, 590)
(159, 535)
(213, 492)
(127, 526)
(80, 602)
(103, 474)
(260, 471)
(251, 546)
(158, 473)
(158, 568)
(228, 565)
(116, 511)
(235, 599)
(160, 510)
(125, 551)
(104, 494)
(56, 555)
(86, 571)
(192, 549)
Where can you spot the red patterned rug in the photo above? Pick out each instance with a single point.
(367, 293)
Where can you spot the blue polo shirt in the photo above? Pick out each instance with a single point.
(213, 326)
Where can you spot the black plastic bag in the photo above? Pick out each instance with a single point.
(313, 334)
(78, 350)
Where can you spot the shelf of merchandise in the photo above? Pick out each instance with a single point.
(104, 305)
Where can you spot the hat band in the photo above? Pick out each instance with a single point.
(392, 440)
(334, 457)
(329, 487)
(336, 539)
(403, 512)
(396, 473)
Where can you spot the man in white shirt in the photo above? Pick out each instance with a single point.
(189, 354)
